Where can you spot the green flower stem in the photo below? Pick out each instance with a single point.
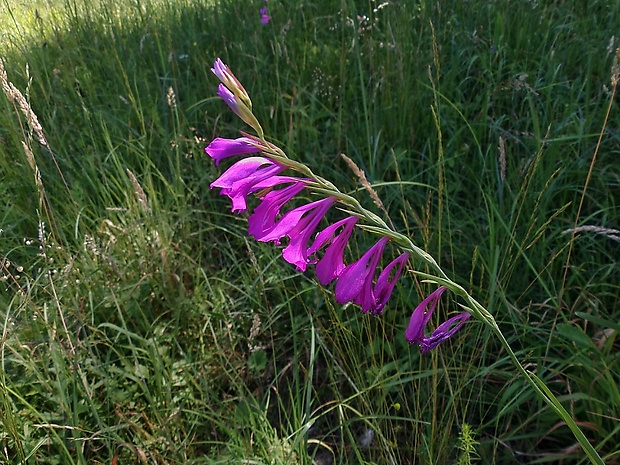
(476, 309)
(543, 391)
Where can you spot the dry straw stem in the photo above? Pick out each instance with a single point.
(612, 234)
(19, 101)
(141, 196)
(502, 158)
(35, 168)
(361, 176)
(17, 98)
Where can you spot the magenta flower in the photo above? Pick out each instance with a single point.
(296, 252)
(259, 175)
(242, 177)
(264, 17)
(226, 76)
(355, 283)
(356, 278)
(221, 148)
(421, 316)
(298, 224)
(263, 220)
(229, 98)
(330, 266)
(385, 285)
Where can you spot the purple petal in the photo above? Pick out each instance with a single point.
(264, 16)
(385, 286)
(443, 332)
(355, 281)
(286, 225)
(274, 181)
(331, 265)
(296, 252)
(264, 217)
(238, 180)
(226, 76)
(420, 316)
(221, 148)
(220, 69)
(228, 97)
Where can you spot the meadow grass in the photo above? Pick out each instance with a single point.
(140, 324)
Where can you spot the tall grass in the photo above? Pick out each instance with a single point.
(139, 324)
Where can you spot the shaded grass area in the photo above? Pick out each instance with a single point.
(139, 322)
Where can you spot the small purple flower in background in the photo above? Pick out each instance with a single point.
(264, 16)
(421, 316)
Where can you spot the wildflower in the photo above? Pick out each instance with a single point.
(421, 316)
(355, 283)
(242, 177)
(385, 285)
(357, 277)
(330, 266)
(298, 224)
(264, 17)
(260, 174)
(221, 148)
(226, 76)
(263, 219)
(241, 107)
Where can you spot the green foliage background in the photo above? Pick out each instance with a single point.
(141, 324)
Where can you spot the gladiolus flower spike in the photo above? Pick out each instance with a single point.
(259, 174)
